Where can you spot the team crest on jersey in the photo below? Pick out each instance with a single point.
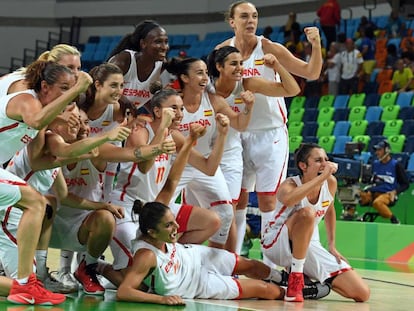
(84, 171)
(325, 203)
(105, 123)
(259, 62)
(208, 113)
(238, 101)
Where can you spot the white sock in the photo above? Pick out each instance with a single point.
(23, 281)
(66, 257)
(275, 276)
(89, 259)
(41, 261)
(297, 265)
(241, 228)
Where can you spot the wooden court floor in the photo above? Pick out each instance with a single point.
(390, 291)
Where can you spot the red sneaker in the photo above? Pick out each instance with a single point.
(295, 286)
(33, 293)
(86, 275)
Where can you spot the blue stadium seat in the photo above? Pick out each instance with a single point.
(406, 113)
(373, 113)
(341, 128)
(340, 114)
(340, 142)
(372, 99)
(409, 144)
(310, 115)
(310, 128)
(341, 101)
(404, 99)
(375, 128)
(408, 127)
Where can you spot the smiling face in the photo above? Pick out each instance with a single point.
(196, 77)
(111, 90)
(71, 61)
(49, 92)
(244, 20)
(167, 229)
(232, 68)
(155, 44)
(84, 128)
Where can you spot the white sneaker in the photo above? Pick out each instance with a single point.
(66, 279)
(53, 285)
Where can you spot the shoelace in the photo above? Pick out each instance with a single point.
(91, 272)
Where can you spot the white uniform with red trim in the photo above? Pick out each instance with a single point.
(135, 90)
(14, 135)
(100, 125)
(320, 264)
(8, 80)
(202, 190)
(85, 181)
(232, 161)
(42, 181)
(265, 142)
(133, 185)
(193, 271)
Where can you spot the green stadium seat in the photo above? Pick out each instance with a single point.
(356, 100)
(362, 139)
(295, 128)
(296, 114)
(358, 127)
(357, 113)
(326, 101)
(325, 114)
(388, 99)
(294, 142)
(390, 113)
(397, 142)
(325, 128)
(392, 127)
(297, 102)
(327, 143)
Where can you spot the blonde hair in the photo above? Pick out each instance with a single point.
(57, 52)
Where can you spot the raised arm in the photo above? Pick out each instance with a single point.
(238, 121)
(309, 70)
(209, 165)
(173, 178)
(288, 86)
(29, 109)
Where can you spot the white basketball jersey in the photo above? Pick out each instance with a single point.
(138, 91)
(269, 112)
(14, 135)
(236, 103)
(282, 212)
(41, 180)
(8, 80)
(205, 116)
(132, 184)
(85, 181)
(177, 272)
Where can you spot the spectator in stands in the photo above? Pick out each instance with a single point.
(389, 179)
(367, 47)
(395, 27)
(392, 56)
(333, 69)
(351, 66)
(267, 32)
(407, 50)
(402, 77)
(365, 24)
(291, 26)
(329, 16)
(294, 45)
